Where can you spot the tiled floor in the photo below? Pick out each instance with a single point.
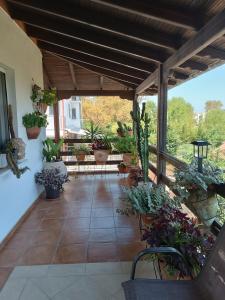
(72, 282)
(82, 226)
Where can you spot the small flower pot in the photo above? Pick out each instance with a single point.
(101, 156)
(51, 193)
(80, 157)
(33, 133)
(127, 158)
(123, 169)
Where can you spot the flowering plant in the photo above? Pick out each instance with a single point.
(173, 228)
(48, 97)
(51, 178)
(101, 144)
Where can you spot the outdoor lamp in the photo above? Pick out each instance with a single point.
(200, 149)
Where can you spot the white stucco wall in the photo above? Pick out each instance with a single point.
(22, 61)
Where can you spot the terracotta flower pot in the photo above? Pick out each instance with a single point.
(80, 157)
(127, 158)
(101, 156)
(147, 219)
(123, 169)
(33, 132)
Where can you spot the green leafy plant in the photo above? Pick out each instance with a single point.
(123, 129)
(125, 144)
(189, 180)
(93, 131)
(35, 119)
(51, 149)
(102, 143)
(82, 149)
(48, 97)
(145, 199)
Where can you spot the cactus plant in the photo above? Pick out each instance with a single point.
(141, 125)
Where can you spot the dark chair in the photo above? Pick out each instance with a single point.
(209, 285)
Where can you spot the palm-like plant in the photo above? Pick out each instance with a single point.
(93, 131)
(51, 149)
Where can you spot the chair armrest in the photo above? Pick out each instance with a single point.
(156, 250)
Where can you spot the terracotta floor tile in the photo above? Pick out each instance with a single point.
(73, 253)
(4, 274)
(125, 235)
(127, 252)
(79, 236)
(46, 237)
(102, 212)
(100, 252)
(102, 203)
(104, 222)
(79, 212)
(57, 213)
(77, 223)
(10, 257)
(30, 224)
(102, 235)
(38, 255)
(125, 221)
(54, 224)
(20, 240)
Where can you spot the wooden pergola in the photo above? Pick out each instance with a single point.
(125, 48)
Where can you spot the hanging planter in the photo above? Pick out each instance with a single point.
(43, 98)
(33, 133)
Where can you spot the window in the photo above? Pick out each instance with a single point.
(74, 113)
(4, 129)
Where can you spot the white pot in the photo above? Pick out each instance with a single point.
(3, 161)
(101, 156)
(56, 164)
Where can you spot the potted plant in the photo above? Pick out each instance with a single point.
(146, 201)
(122, 167)
(52, 180)
(127, 146)
(51, 153)
(93, 132)
(102, 148)
(33, 122)
(123, 129)
(197, 189)
(43, 98)
(80, 152)
(172, 228)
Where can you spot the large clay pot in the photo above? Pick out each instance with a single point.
(206, 209)
(127, 158)
(33, 132)
(101, 156)
(80, 157)
(51, 193)
(56, 164)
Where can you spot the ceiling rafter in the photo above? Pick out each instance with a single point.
(73, 75)
(92, 60)
(89, 35)
(157, 11)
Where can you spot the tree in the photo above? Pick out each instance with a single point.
(213, 104)
(151, 109)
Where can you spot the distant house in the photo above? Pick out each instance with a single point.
(70, 118)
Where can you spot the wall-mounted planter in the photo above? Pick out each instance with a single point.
(33, 132)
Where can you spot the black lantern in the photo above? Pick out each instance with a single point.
(200, 152)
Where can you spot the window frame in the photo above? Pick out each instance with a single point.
(4, 124)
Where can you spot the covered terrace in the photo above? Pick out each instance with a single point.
(90, 48)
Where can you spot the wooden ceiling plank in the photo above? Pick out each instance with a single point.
(92, 60)
(101, 82)
(89, 35)
(157, 12)
(73, 75)
(92, 50)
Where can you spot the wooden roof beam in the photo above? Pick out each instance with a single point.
(87, 34)
(91, 50)
(73, 76)
(124, 94)
(156, 11)
(91, 60)
(101, 81)
(104, 22)
(213, 30)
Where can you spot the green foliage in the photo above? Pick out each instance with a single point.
(35, 119)
(123, 129)
(151, 110)
(51, 149)
(190, 180)
(48, 97)
(213, 104)
(93, 131)
(145, 199)
(82, 149)
(125, 144)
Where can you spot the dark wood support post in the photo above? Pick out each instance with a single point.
(162, 121)
(56, 121)
(134, 109)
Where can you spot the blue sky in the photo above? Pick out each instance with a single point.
(208, 86)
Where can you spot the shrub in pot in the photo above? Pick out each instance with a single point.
(127, 146)
(197, 189)
(33, 123)
(102, 148)
(172, 228)
(51, 153)
(52, 180)
(122, 167)
(123, 130)
(80, 152)
(43, 98)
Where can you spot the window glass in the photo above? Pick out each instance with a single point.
(4, 131)
(73, 113)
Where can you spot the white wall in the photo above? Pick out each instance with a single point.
(22, 62)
